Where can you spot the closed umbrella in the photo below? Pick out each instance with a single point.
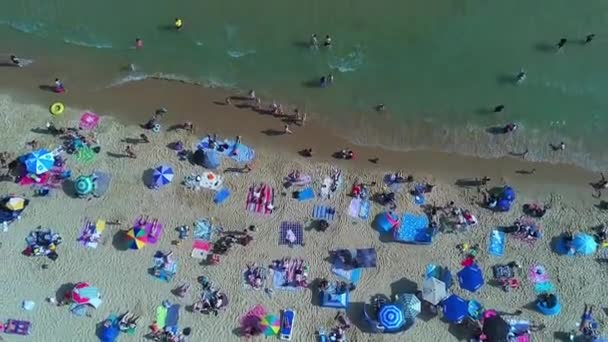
(39, 162)
(470, 278)
(137, 237)
(433, 290)
(270, 325)
(410, 304)
(391, 317)
(162, 176)
(84, 185)
(584, 244)
(454, 309)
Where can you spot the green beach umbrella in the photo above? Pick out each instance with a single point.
(83, 185)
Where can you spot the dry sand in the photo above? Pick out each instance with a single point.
(125, 283)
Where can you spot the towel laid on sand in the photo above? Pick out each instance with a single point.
(322, 212)
(260, 199)
(291, 233)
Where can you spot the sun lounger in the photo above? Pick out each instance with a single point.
(496, 245)
(17, 327)
(304, 195)
(221, 196)
(321, 212)
(287, 320)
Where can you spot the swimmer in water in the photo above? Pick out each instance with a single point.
(179, 24)
(521, 76)
(499, 108)
(561, 43)
(589, 38)
(327, 41)
(314, 42)
(59, 88)
(16, 61)
(139, 43)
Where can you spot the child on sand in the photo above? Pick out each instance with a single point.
(129, 151)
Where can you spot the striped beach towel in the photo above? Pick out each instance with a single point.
(260, 199)
(322, 212)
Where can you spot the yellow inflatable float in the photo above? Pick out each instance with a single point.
(57, 108)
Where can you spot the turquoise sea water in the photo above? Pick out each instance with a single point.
(438, 66)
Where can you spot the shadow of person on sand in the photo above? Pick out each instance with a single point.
(116, 155)
(272, 132)
(47, 87)
(312, 83)
(496, 130)
(64, 291)
(545, 47)
(506, 79)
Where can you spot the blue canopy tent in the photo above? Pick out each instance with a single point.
(455, 309)
(211, 159)
(331, 299)
(505, 199)
(470, 278)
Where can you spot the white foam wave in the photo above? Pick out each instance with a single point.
(348, 63)
(239, 54)
(87, 44)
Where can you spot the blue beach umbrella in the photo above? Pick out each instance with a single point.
(470, 278)
(162, 175)
(584, 244)
(391, 317)
(454, 309)
(39, 162)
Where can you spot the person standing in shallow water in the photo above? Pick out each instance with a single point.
(499, 108)
(327, 42)
(561, 43)
(314, 42)
(589, 38)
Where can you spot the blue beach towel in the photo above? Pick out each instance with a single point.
(353, 275)
(414, 229)
(278, 282)
(221, 196)
(203, 230)
(364, 210)
(172, 316)
(296, 228)
(244, 153)
(305, 194)
(498, 240)
(321, 212)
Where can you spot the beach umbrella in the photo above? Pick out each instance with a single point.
(39, 162)
(109, 333)
(433, 290)
(410, 304)
(101, 183)
(454, 309)
(84, 185)
(391, 317)
(496, 329)
(15, 203)
(584, 244)
(270, 325)
(84, 293)
(470, 278)
(162, 175)
(137, 237)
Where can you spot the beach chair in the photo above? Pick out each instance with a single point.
(287, 320)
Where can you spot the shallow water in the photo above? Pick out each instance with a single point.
(440, 68)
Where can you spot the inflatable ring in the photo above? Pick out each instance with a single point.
(156, 128)
(57, 108)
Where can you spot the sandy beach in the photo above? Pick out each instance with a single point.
(122, 276)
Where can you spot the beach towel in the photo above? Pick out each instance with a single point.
(161, 316)
(85, 155)
(253, 317)
(260, 199)
(305, 194)
(538, 274)
(203, 229)
(89, 121)
(366, 258)
(329, 187)
(17, 327)
(221, 196)
(352, 275)
(296, 229)
(414, 229)
(321, 212)
(240, 153)
(354, 207)
(246, 273)
(280, 282)
(42, 179)
(200, 249)
(172, 316)
(546, 287)
(496, 245)
(91, 233)
(392, 185)
(365, 209)
(154, 230)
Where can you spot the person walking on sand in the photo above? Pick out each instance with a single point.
(287, 130)
(130, 153)
(589, 38)
(327, 42)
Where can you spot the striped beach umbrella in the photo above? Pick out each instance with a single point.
(137, 237)
(410, 304)
(39, 162)
(84, 185)
(270, 325)
(162, 175)
(391, 317)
